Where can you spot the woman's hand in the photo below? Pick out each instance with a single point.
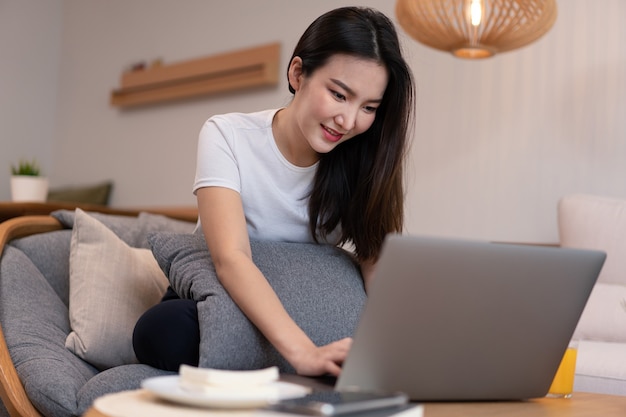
(327, 359)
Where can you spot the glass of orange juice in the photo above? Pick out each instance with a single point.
(563, 383)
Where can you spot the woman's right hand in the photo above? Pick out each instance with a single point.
(322, 360)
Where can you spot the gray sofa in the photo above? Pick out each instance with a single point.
(41, 376)
(34, 314)
(51, 365)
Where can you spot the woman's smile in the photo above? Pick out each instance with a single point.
(331, 135)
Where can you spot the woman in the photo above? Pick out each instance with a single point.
(326, 168)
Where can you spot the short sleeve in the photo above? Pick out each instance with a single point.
(216, 165)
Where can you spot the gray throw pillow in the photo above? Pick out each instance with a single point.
(320, 286)
(90, 194)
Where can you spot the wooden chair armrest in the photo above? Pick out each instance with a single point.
(25, 226)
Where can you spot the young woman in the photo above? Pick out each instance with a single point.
(328, 168)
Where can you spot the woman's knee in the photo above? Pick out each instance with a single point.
(168, 335)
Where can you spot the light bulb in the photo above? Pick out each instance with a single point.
(476, 12)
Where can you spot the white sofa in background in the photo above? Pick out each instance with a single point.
(597, 222)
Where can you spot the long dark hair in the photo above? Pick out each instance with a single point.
(359, 185)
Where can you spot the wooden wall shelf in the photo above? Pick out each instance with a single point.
(247, 68)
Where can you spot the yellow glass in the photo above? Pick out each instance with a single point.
(563, 383)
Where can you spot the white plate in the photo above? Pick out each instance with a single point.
(168, 388)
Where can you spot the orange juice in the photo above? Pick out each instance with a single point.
(563, 383)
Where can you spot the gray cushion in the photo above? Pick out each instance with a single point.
(35, 323)
(122, 226)
(50, 253)
(132, 230)
(319, 285)
(148, 223)
(120, 378)
(3, 411)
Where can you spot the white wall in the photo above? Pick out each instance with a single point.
(497, 141)
(30, 51)
(149, 152)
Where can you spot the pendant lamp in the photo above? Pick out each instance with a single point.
(476, 28)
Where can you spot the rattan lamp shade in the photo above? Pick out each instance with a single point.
(476, 28)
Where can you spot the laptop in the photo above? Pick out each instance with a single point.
(460, 320)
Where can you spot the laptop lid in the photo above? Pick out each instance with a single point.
(453, 320)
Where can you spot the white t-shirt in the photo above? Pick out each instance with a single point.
(238, 151)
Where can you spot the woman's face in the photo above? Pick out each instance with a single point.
(337, 101)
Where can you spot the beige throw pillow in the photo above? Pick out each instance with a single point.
(111, 286)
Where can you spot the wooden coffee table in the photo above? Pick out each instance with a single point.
(580, 405)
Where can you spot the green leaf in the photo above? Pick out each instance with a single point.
(26, 168)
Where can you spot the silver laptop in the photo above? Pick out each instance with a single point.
(457, 320)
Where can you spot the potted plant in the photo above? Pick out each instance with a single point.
(27, 184)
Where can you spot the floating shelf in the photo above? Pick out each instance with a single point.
(247, 68)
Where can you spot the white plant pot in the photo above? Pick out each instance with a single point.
(29, 188)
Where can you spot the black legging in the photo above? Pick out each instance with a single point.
(168, 334)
